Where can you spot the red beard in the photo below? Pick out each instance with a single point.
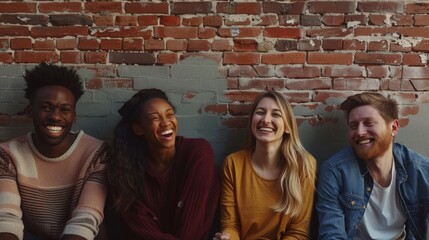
(379, 147)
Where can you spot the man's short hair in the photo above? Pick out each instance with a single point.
(51, 75)
(386, 106)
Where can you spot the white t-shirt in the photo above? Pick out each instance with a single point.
(384, 217)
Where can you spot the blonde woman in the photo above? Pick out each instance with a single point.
(268, 188)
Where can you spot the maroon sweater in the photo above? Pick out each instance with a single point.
(181, 202)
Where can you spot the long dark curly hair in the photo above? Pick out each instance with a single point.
(128, 165)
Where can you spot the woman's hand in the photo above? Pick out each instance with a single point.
(222, 236)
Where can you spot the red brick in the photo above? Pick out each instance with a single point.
(332, 7)
(383, 7)
(415, 72)
(242, 96)
(20, 43)
(420, 85)
(377, 71)
(310, 20)
(177, 8)
(168, 58)
(95, 57)
(177, 45)
(232, 21)
(332, 20)
(102, 20)
(267, 20)
(6, 57)
(111, 44)
(309, 44)
(51, 7)
(245, 45)
(252, 8)
(169, 20)
(353, 44)
(146, 7)
(402, 20)
(420, 7)
(88, 44)
(329, 58)
(45, 44)
(328, 32)
(332, 44)
(265, 70)
(378, 20)
(284, 58)
(378, 45)
(25, 19)
(344, 71)
(286, 45)
(72, 57)
(94, 84)
(192, 21)
(154, 44)
(289, 20)
(176, 32)
(122, 83)
(4, 43)
(241, 32)
(284, 8)
(308, 84)
(411, 31)
(66, 43)
(103, 7)
(262, 84)
(409, 110)
(132, 44)
(121, 32)
(240, 109)
(377, 58)
(212, 21)
(217, 57)
(242, 71)
(241, 58)
(422, 46)
(282, 32)
(126, 20)
(17, 7)
(400, 46)
(355, 84)
(198, 45)
(413, 59)
(148, 20)
(36, 57)
(235, 122)
(371, 31)
(206, 33)
(221, 45)
(421, 20)
(59, 31)
(298, 72)
(14, 31)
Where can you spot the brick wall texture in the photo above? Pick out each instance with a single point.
(315, 52)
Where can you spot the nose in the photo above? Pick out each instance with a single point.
(54, 114)
(360, 130)
(164, 121)
(266, 118)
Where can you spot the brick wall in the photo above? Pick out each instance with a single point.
(315, 52)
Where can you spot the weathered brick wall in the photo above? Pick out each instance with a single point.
(315, 52)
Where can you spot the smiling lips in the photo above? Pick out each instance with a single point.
(167, 133)
(54, 129)
(265, 129)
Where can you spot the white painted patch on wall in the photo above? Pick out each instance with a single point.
(353, 24)
(23, 19)
(312, 43)
(235, 31)
(388, 21)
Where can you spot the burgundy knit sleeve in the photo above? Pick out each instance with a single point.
(200, 194)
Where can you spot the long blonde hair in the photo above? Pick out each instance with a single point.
(299, 164)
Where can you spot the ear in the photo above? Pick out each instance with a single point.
(395, 127)
(137, 129)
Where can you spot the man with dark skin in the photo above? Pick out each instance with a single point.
(52, 181)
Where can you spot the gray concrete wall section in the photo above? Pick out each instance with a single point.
(191, 85)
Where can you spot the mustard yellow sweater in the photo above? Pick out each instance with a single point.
(246, 203)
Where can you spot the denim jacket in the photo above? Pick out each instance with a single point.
(345, 185)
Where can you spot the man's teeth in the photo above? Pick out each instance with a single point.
(167, 132)
(54, 128)
(364, 141)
